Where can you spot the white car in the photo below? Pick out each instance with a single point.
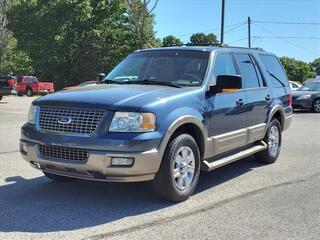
(294, 85)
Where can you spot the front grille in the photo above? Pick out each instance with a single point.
(63, 153)
(82, 121)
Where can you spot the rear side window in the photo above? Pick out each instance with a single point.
(19, 79)
(275, 70)
(224, 65)
(248, 71)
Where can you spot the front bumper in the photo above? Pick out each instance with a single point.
(143, 149)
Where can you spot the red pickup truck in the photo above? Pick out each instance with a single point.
(30, 85)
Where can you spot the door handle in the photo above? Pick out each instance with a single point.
(268, 98)
(240, 102)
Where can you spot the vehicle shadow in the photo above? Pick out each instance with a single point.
(40, 205)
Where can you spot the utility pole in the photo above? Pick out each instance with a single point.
(222, 22)
(249, 32)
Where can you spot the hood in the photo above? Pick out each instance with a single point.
(114, 96)
(300, 93)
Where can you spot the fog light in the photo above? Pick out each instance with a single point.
(122, 161)
(24, 147)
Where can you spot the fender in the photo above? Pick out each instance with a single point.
(178, 123)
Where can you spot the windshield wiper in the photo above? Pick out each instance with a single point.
(153, 82)
(276, 78)
(111, 81)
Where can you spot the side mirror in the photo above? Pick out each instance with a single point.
(227, 83)
(100, 77)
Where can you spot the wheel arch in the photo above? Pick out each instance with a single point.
(190, 125)
(277, 112)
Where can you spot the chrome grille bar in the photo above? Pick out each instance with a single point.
(82, 121)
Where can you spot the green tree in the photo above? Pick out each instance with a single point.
(141, 22)
(12, 60)
(316, 65)
(202, 39)
(296, 70)
(70, 41)
(171, 41)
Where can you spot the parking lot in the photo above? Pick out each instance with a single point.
(244, 200)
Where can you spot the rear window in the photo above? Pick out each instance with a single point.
(275, 70)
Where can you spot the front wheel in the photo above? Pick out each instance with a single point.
(180, 169)
(316, 105)
(273, 139)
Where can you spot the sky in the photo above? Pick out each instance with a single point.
(182, 18)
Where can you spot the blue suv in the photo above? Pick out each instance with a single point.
(163, 115)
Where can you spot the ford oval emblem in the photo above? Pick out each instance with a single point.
(64, 120)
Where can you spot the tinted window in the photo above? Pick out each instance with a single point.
(224, 65)
(248, 72)
(275, 70)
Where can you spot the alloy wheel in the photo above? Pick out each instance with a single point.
(183, 168)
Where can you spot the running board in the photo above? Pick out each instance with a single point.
(209, 166)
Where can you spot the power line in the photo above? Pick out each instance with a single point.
(285, 40)
(288, 37)
(213, 29)
(287, 23)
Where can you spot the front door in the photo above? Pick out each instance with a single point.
(227, 112)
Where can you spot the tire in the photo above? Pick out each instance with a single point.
(29, 92)
(19, 94)
(1, 97)
(182, 157)
(273, 139)
(316, 105)
(57, 178)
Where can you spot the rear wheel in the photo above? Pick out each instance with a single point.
(273, 140)
(29, 92)
(57, 178)
(1, 97)
(316, 105)
(180, 169)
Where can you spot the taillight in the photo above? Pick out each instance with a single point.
(290, 99)
(11, 82)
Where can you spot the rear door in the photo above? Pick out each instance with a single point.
(257, 93)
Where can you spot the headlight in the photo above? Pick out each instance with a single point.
(32, 114)
(304, 97)
(133, 122)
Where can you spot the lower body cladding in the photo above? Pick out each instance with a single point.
(98, 165)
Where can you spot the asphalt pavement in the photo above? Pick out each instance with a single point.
(244, 200)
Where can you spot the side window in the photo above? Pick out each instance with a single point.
(224, 65)
(275, 70)
(248, 72)
(34, 80)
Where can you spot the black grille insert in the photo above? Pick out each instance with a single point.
(63, 153)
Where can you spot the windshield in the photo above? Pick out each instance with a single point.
(313, 86)
(184, 68)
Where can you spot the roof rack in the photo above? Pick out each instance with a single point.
(214, 45)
